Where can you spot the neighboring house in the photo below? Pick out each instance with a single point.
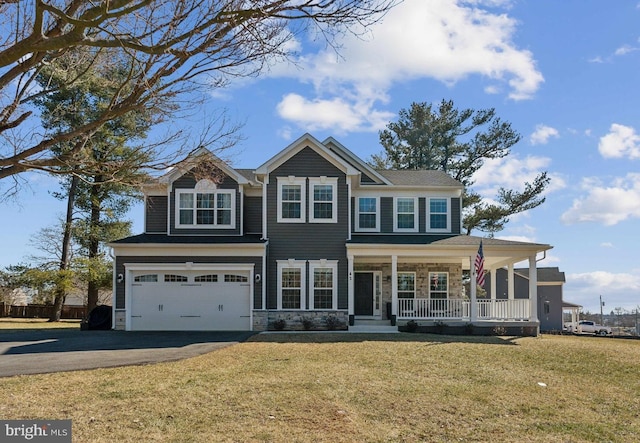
(313, 233)
(550, 283)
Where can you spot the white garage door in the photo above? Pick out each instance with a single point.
(190, 300)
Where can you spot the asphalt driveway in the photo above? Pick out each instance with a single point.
(56, 350)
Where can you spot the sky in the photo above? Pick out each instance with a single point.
(563, 73)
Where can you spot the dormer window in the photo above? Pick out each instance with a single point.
(205, 206)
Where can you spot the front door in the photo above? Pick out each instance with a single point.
(368, 294)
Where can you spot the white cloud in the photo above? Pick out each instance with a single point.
(542, 134)
(606, 204)
(512, 172)
(621, 141)
(336, 114)
(446, 40)
(625, 49)
(606, 244)
(616, 289)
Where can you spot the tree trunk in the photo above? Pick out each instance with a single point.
(65, 259)
(94, 244)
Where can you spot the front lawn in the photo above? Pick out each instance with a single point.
(354, 388)
(37, 323)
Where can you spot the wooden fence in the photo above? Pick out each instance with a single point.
(41, 311)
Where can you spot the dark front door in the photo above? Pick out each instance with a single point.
(363, 293)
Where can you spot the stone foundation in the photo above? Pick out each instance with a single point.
(300, 320)
(120, 320)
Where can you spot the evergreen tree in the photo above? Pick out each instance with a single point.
(458, 142)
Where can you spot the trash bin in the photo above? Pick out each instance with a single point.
(99, 318)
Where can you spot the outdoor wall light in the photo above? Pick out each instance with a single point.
(120, 278)
(258, 278)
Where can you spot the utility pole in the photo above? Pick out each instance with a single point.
(601, 316)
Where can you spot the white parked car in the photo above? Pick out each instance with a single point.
(589, 327)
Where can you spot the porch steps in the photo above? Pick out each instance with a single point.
(373, 327)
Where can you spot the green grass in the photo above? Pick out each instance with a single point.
(37, 323)
(354, 388)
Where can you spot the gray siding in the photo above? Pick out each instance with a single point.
(120, 261)
(551, 296)
(386, 214)
(455, 216)
(156, 214)
(252, 215)
(188, 182)
(307, 241)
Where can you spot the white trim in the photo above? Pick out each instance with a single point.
(297, 181)
(323, 181)
(298, 145)
(357, 215)
(178, 250)
(323, 264)
(416, 209)
(448, 214)
(293, 264)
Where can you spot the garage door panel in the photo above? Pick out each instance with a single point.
(210, 305)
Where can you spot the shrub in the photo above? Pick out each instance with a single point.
(333, 323)
(307, 323)
(499, 330)
(279, 324)
(440, 326)
(411, 326)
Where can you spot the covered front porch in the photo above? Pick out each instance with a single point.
(431, 281)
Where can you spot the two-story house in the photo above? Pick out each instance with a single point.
(313, 233)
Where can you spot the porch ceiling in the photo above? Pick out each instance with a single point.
(459, 249)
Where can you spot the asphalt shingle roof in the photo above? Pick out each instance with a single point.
(419, 178)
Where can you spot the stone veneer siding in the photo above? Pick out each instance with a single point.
(422, 271)
(264, 320)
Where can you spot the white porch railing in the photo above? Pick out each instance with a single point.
(460, 309)
(517, 309)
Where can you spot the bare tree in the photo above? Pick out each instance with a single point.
(174, 49)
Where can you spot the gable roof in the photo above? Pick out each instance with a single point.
(307, 140)
(196, 157)
(354, 160)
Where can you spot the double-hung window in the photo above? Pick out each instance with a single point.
(438, 216)
(323, 286)
(205, 208)
(438, 285)
(368, 216)
(406, 214)
(324, 203)
(291, 284)
(406, 285)
(291, 199)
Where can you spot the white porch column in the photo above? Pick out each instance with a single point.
(493, 283)
(394, 285)
(473, 306)
(350, 286)
(510, 282)
(533, 288)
